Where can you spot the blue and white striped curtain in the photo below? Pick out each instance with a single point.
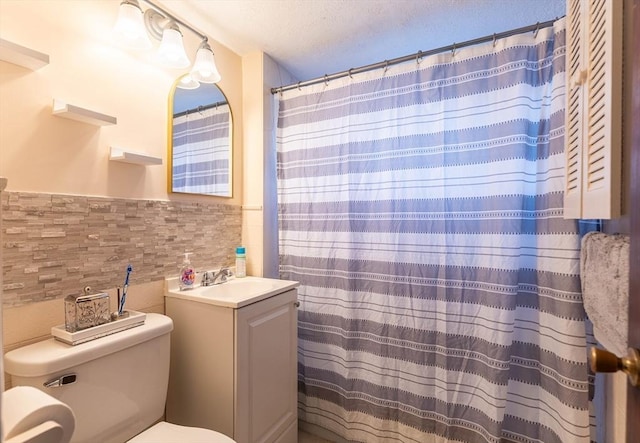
(201, 151)
(421, 210)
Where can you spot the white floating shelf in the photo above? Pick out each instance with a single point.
(63, 109)
(120, 155)
(21, 56)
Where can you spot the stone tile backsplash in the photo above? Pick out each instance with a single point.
(55, 245)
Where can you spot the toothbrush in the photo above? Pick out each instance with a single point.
(124, 290)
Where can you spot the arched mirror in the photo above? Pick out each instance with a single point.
(200, 148)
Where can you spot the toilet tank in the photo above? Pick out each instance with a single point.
(120, 383)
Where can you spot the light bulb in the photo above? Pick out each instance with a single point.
(204, 69)
(171, 51)
(187, 82)
(129, 29)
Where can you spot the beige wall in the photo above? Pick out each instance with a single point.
(253, 207)
(259, 220)
(40, 153)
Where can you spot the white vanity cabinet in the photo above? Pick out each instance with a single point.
(234, 365)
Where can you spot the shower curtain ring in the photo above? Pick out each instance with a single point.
(350, 76)
(535, 32)
(386, 66)
(418, 57)
(494, 40)
(453, 50)
(299, 88)
(326, 80)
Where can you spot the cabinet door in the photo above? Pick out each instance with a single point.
(594, 107)
(266, 369)
(574, 126)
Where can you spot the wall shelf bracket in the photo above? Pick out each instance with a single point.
(22, 56)
(121, 155)
(63, 109)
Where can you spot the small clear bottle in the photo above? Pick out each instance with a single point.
(241, 262)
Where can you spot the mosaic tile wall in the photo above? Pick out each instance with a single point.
(55, 245)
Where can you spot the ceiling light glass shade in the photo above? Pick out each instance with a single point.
(187, 82)
(204, 69)
(129, 29)
(171, 52)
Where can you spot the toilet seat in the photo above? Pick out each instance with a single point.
(164, 432)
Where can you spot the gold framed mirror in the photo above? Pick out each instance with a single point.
(200, 140)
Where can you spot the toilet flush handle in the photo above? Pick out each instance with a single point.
(66, 379)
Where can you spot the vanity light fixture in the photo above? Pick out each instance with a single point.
(204, 68)
(186, 82)
(129, 29)
(133, 28)
(171, 52)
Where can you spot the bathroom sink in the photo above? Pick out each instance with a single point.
(234, 293)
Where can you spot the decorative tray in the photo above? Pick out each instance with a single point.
(75, 338)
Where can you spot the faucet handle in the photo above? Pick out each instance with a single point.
(206, 278)
(225, 273)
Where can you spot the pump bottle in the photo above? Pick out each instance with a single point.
(241, 262)
(187, 276)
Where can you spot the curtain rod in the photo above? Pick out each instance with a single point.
(415, 56)
(200, 108)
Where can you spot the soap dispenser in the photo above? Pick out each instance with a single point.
(187, 275)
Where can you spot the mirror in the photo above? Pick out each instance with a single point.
(200, 148)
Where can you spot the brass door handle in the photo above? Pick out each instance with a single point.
(604, 361)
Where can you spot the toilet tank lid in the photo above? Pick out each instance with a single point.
(51, 356)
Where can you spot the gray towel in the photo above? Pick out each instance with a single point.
(604, 271)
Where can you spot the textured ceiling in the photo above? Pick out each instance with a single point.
(311, 38)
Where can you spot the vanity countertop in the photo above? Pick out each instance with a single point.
(235, 293)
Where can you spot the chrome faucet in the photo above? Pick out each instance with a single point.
(206, 279)
(211, 278)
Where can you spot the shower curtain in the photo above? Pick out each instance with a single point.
(201, 151)
(420, 208)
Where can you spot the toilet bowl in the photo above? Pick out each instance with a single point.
(116, 385)
(164, 432)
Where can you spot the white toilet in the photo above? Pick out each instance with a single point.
(115, 385)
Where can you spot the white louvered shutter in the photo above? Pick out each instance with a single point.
(594, 109)
(576, 73)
